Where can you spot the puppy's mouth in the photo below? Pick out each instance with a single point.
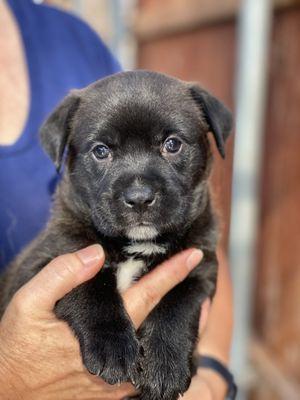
(142, 231)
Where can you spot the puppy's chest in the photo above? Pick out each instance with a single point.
(137, 259)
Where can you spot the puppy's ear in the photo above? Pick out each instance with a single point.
(217, 116)
(54, 133)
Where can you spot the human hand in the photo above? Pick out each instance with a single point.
(39, 355)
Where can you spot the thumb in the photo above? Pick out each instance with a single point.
(58, 278)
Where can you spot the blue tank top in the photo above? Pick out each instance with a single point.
(62, 53)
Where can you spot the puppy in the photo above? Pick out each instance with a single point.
(136, 163)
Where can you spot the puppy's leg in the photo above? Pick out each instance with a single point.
(107, 338)
(167, 339)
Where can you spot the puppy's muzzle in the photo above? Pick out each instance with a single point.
(139, 198)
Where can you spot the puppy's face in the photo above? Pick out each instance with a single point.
(138, 152)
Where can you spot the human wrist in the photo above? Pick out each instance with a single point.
(217, 385)
(219, 351)
(219, 371)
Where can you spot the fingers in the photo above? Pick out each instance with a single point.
(66, 272)
(58, 278)
(142, 297)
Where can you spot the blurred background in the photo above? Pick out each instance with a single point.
(248, 54)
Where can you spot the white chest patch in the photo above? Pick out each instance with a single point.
(128, 271)
(146, 249)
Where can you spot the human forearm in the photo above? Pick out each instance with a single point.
(216, 338)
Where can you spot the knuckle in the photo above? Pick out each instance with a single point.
(19, 302)
(65, 265)
(174, 271)
(150, 297)
(179, 273)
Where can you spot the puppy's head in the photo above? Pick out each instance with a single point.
(137, 151)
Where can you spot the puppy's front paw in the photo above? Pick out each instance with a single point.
(165, 370)
(110, 353)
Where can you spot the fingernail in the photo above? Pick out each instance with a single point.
(193, 259)
(91, 255)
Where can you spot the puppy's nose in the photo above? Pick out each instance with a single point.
(139, 197)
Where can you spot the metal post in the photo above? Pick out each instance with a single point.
(123, 41)
(254, 31)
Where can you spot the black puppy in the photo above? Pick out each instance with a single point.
(137, 160)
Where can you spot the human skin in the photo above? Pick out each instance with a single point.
(14, 105)
(216, 337)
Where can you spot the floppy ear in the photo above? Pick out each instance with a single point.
(217, 116)
(55, 131)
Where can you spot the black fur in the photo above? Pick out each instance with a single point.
(132, 113)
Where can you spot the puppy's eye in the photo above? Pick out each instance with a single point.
(172, 145)
(101, 151)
